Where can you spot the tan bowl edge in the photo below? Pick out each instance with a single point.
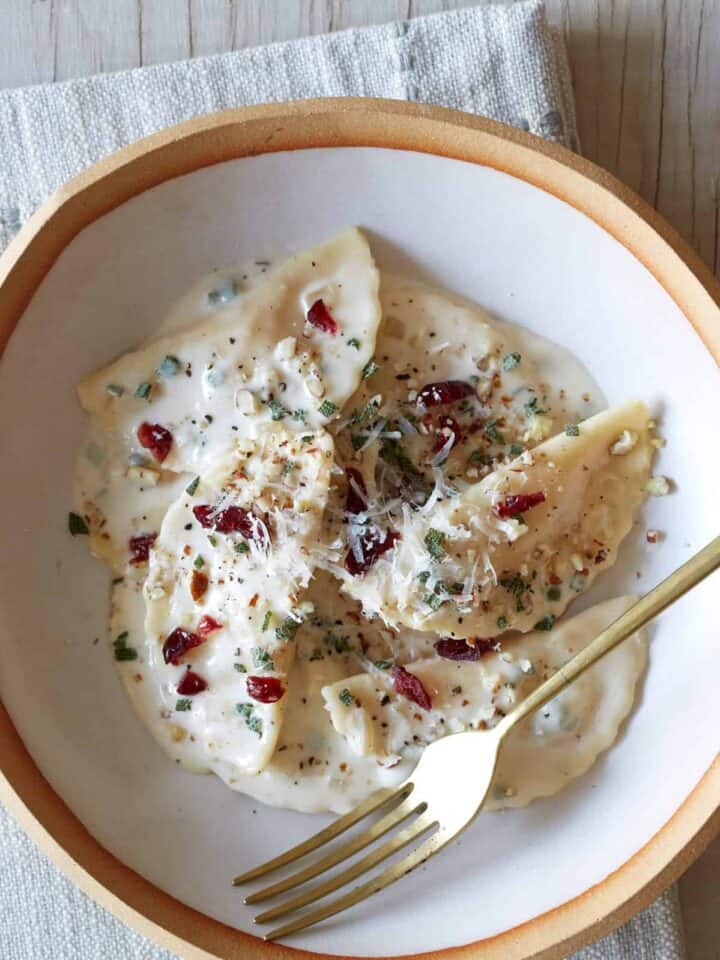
(329, 123)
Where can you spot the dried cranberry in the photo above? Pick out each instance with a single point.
(357, 492)
(408, 685)
(208, 625)
(444, 425)
(178, 643)
(518, 503)
(446, 391)
(232, 519)
(140, 547)
(265, 689)
(155, 438)
(453, 648)
(319, 316)
(191, 684)
(372, 546)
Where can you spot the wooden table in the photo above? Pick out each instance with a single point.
(647, 85)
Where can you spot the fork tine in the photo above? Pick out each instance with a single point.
(395, 816)
(398, 870)
(337, 827)
(400, 840)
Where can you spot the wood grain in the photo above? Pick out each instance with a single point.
(647, 82)
(646, 72)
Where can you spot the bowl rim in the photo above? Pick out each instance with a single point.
(351, 122)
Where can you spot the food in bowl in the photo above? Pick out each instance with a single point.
(345, 513)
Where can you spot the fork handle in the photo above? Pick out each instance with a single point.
(665, 593)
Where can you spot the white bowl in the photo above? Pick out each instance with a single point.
(531, 233)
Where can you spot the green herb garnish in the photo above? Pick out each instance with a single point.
(298, 415)
(266, 620)
(143, 390)
(169, 366)
(531, 407)
(182, 706)
(516, 449)
(277, 410)
(115, 389)
(242, 547)
(546, 623)
(327, 408)
(510, 361)
(192, 486)
(434, 600)
(261, 659)
(240, 668)
(435, 544)
(391, 452)
(287, 629)
(289, 467)
(572, 430)
(502, 623)
(345, 697)
(492, 433)
(307, 439)
(77, 525)
(553, 594)
(371, 367)
(478, 459)
(198, 562)
(383, 664)
(354, 342)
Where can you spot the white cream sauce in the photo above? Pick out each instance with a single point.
(313, 766)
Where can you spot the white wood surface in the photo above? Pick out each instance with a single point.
(647, 84)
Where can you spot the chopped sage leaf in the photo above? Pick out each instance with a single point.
(198, 562)
(277, 410)
(327, 408)
(143, 390)
(510, 361)
(192, 486)
(354, 342)
(546, 623)
(183, 705)
(169, 366)
(266, 621)
(371, 367)
(572, 430)
(435, 543)
(262, 659)
(346, 697)
(77, 525)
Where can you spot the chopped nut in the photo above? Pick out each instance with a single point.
(627, 440)
(177, 733)
(198, 585)
(144, 475)
(658, 486)
(316, 388)
(286, 348)
(245, 401)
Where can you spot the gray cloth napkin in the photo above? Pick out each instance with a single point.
(501, 61)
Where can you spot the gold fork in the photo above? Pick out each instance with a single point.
(447, 788)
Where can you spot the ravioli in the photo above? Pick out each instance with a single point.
(449, 392)
(512, 551)
(547, 750)
(224, 594)
(290, 349)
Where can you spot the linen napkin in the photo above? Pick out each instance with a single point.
(500, 61)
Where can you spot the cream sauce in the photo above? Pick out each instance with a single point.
(314, 766)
